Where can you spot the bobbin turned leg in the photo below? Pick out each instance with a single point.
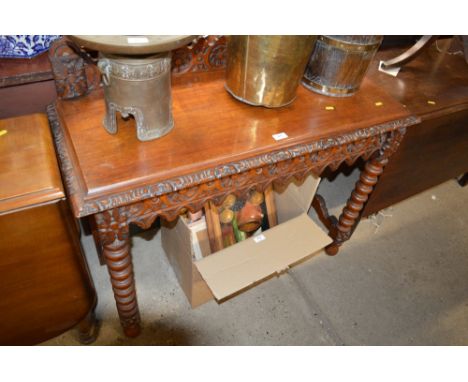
(355, 203)
(114, 233)
(343, 229)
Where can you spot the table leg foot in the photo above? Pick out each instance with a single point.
(332, 249)
(132, 331)
(88, 328)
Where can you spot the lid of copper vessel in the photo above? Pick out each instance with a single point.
(132, 45)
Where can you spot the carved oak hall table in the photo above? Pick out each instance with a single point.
(218, 146)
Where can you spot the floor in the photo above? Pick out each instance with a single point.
(401, 280)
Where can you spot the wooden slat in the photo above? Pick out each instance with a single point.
(270, 206)
(213, 226)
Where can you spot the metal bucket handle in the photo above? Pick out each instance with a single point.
(105, 68)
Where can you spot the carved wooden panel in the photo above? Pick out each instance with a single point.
(74, 71)
(205, 54)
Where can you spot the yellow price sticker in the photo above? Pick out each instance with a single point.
(3, 132)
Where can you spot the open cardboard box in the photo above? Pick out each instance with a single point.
(233, 269)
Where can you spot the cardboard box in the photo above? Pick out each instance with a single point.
(233, 269)
(184, 244)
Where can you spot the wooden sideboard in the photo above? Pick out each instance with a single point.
(26, 85)
(218, 146)
(45, 285)
(434, 87)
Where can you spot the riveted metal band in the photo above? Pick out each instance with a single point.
(350, 47)
(327, 90)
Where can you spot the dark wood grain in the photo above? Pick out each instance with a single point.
(17, 71)
(26, 86)
(26, 99)
(437, 149)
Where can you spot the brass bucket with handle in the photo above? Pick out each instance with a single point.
(266, 70)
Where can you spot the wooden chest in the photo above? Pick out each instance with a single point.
(45, 285)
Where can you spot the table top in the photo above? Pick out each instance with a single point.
(434, 82)
(29, 173)
(212, 130)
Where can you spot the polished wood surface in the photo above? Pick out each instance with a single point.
(433, 76)
(435, 87)
(17, 71)
(28, 168)
(45, 285)
(211, 128)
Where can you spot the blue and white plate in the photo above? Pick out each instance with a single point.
(24, 46)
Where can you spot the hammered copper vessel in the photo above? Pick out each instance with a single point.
(338, 64)
(266, 70)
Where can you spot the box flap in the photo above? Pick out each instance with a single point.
(234, 268)
(295, 200)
